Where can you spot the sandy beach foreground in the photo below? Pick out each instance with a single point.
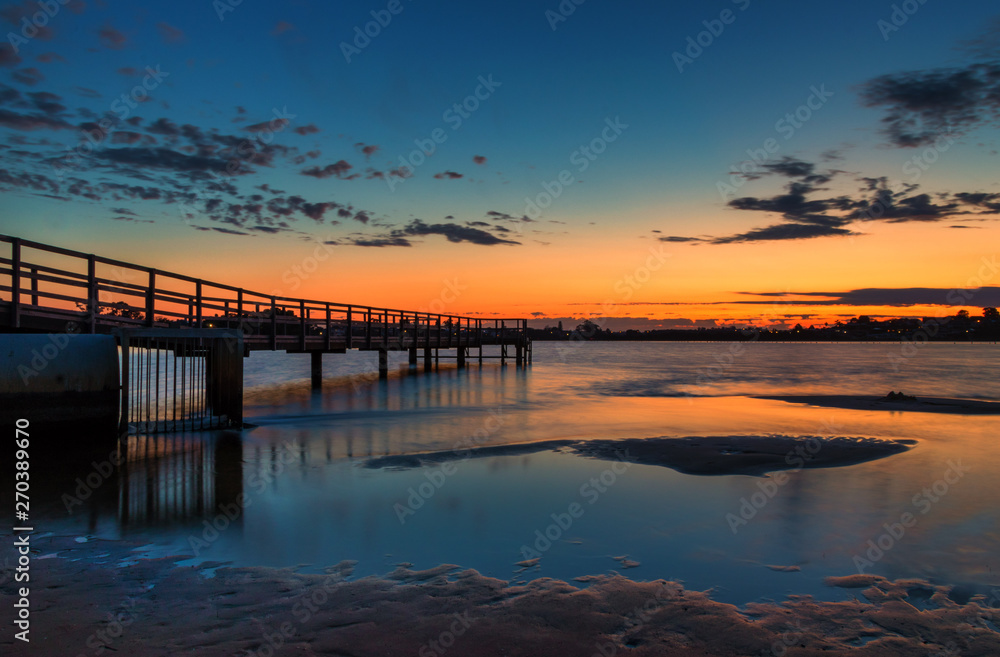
(94, 597)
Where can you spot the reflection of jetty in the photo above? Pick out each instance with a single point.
(182, 339)
(180, 479)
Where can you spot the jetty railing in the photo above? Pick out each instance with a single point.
(46, 287)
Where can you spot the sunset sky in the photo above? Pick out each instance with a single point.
(646, 164)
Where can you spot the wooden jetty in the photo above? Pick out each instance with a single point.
(208, 327)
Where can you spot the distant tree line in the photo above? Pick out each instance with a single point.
(961, 327)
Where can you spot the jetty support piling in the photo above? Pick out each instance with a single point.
(316, 367)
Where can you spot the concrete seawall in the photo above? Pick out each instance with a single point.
(61, 378)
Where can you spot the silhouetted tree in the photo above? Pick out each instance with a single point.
(990, 313)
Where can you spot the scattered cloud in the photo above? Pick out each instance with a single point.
(169, 33)
(339, 169)
(111, 38)
(923, 106)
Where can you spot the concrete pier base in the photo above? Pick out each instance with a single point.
(428, 364)
(383, 364)
(413, 358)
(461, 357)
(59, 379)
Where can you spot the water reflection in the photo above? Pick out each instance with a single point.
(168, 480)
(310, 502)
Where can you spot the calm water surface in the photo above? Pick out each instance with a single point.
(312, 500)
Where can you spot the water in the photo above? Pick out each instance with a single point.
(311, 498)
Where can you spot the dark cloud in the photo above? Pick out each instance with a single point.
(87, 92)
(911, 296)
(922, 106)
(380, 241)
(15, 14)
(273, 125)
(169, 33)
(162, 158)
(8, 57)
(47, 102)
(227, 231)
(479, 159)
(782, 232)
(450, 175)
(452, 232)
(164, 127)
(338, 169)
(49, 57)
(32, 121)
(367, 149)
(807, 217)
(111, 38)
(29, 76)
(302, 129)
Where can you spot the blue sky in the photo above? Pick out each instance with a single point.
(550, 92)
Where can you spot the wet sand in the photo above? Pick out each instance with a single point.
(919, 405)
(85, 598)
(697, 455)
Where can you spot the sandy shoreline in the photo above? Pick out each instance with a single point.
(84, 600)
(919, 405)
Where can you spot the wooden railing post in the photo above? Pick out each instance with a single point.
(92, 304)
(329, 328)
(34, 286)
(151, 299)
(368, 329)
(15, 283)
(302, 325)
(197, 291)
(349, 336)
(274, 324)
